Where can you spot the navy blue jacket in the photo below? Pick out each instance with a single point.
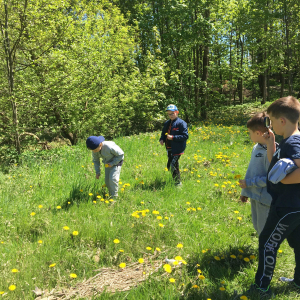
(180, 134)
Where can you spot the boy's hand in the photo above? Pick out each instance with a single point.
(170, 137)
(97, 176)
(269, 137)
(244, 199)
(242, 183)
(161, 142)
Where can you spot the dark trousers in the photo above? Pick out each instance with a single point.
(281, 223)
(173, 165)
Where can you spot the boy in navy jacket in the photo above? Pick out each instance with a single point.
(174, 136)
(283, 221)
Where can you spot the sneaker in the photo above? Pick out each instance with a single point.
(291, 283)
(259, 293)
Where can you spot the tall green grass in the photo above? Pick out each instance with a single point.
(49, 190)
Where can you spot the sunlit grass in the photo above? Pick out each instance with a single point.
(55, 218)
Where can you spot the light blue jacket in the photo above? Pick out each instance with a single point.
(110, 154)
(256, 176)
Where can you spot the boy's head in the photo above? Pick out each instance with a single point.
(94, 142)
(256, 127)
(172, 111)
(282, 112)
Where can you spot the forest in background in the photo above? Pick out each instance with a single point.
(77, 68)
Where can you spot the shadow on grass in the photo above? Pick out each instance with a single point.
(154, 185)
(220, 265)
(82, 193)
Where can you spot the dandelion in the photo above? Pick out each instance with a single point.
(40, 241)
(149, 248)
(244, 297)
(12, 287)
(195, 286)
(122, 265)
(106, 201)
(106, 165)
(216, 185)
(279, 251)
(161, 225)
(157, 249)
(66, 228)
(52, 265)
(240, 250)
(32, 214)
(172, 280)
(222, 288)
(58, 207)
(236, 211)
(217, 258)
(121, 250)
(1, 292)
(188, 203)
(233, 256)
(199, 271)
(90, 194)
(159, 217)
(167, 268)
(75, 233)
(141, 260)
(203, 251)
(15, 270)
(179, 258)
(73, 275)
(223, 282)
(252, 257)
(69, 202)
(116, 241)
(246, 259)
(237, 176)
(179, 245)
(155, 212)
(166, 218)
(40, 206)
(239, 218)
(201, 277)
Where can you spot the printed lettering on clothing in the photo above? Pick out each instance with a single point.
(176, 129)
(270, 246)
(277, 153)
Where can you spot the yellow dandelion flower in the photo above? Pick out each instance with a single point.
(159, 217)
(175, 263)
(122, 265)
(141, 260)
(166, 218)
(246, 259)
(32, 214)
(106, 165)
(172, 280)
(12, 287)
(239, 218)
(75, 233)
(40, 206)
(201, 277)
(155, 212)
(116, 241)
(217, 258)
(106, 201)
(179, 245)
(279, 251)
(73, 275)
(252, 257)
(167, 268)
(223, 282)
(40, 241)
(1, 292)
(179, 258)
(195, 286)
(237, 176)
(15, 270)
(66, 228)
(199, 271)
(244, 297)
(240, 250)
(216, 185)
(236, 211)
(222, 288)
(157, 249)
(161, 225)
(149, 248)
(199, 208)
(203, 251)
(232, 256)
(58, 207)
(52, 265)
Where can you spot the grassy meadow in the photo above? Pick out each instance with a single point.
(58, 229)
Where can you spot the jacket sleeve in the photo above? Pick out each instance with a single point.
(163, 133)
(183, 133)
(118, 154)
(258, 181)
(96, 161)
